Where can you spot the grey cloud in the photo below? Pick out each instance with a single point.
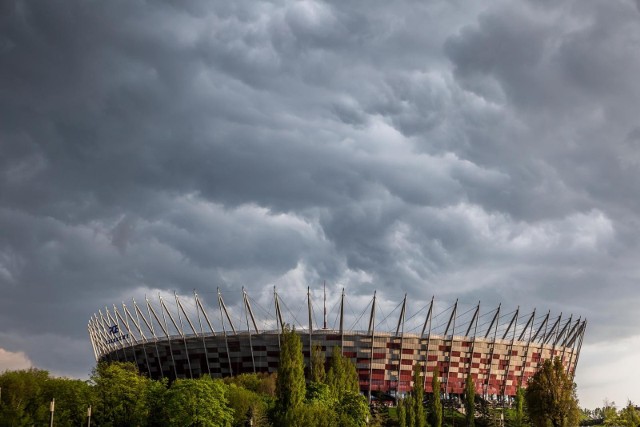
(482, 151)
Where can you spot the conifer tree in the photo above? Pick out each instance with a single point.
(342, 376)
(469, 401)
(418, 397)
(519, 408)
(411, 413)
(290, 384)
(402, 413)
(318, 373)
(435, 405)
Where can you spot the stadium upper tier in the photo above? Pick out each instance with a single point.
(499, 350)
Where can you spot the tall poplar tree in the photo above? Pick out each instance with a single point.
(435, 405)
(290, 384)
(418, 397)
(342, 376)
(469, 401)
(318, 373)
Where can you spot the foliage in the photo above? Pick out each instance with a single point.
(318, 373)
(120, 394)
(261, 383)
(319, 392)
(402, 413)
(23, 398)
(156, 395)
(629, 416)
(435, 404)
(518, 406)
(353, 410)
(314, 414)
(411, 414)
(469, 401)
(418, 398)
(290, 383)
(608, 413)
(201, 402)
(73, 397)
(551, 397)
(243, 402)
(342, 376)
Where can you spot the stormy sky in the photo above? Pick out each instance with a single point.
(474, 150)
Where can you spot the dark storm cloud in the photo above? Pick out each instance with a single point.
(485, 151)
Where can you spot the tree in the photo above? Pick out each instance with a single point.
(435, 405)
(608, 413)
(411, 414)
(402, 413)
(342, 376)
(290, 384)
(246, 404)
(121, 394)
(201, 402)
(629, 416)
(418, 397)
(469, 401)
(23, 400)
(318, 373)
(518, 406)
(353, 410)
(73, 397)
(551, 397)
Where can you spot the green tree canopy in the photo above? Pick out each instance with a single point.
(202, 402)
(469, 401)
(290, 383)
(23, 397)
(435, 404)
(318, 373)
(551, 397)
(120, 394)
(629, 416)
(418, 397)
(342, 376)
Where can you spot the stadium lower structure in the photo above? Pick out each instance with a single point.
(498, 367)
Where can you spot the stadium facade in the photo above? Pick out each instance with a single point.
(501, 351)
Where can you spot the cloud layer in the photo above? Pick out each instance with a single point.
(487, 151)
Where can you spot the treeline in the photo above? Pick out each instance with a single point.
(120, 396)
(609, 415)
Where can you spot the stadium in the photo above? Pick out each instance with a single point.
(182, 337)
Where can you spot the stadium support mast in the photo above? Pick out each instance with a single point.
(525, 356)
(426, 357)
(400, 329)
(546, 324)
(474, 323)
(342, 322)
(247, 309)
(453, 333)
(496, 320)
(166, 333)
(324, 292)
(184, 337)
(310, 328)
(372, 332)
(204, 343)
(514, 323)
(224, 330)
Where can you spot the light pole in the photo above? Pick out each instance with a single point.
(89, 416)
(52, 408)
